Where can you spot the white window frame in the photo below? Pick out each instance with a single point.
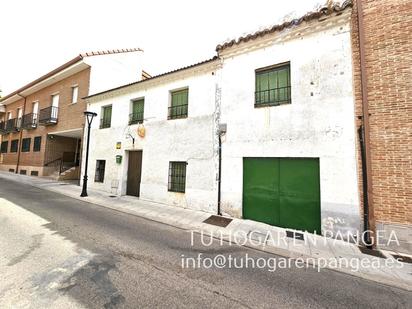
(74, 101)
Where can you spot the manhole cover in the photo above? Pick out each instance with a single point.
(218, 221)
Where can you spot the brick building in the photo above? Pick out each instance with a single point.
(382, 36)
(41, 124)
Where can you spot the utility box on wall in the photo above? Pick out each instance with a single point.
(119, 159)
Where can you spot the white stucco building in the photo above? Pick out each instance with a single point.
(187, 138)
(285, 98)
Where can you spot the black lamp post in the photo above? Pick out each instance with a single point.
(89, 118)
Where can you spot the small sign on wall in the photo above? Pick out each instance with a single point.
(119, 145)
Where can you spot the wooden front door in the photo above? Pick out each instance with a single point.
(134, 173)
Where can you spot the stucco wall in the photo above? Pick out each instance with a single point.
(319, 122)
(188, 140)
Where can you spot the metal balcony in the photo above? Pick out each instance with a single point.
(12, 125)
(3, 128)
(48, 115)
(29, 121)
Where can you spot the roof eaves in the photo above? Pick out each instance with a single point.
(153, 77)
(324, 11)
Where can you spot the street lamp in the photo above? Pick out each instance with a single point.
(89, 118)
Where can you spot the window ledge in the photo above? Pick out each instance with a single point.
(257, 105)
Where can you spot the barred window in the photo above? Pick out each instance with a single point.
(14, 146)
(273, 86)
(177, 176)
(100, 167)
(37, 144)
(179, 104)
(137, 114)
(106, 117)
(25, 146)
(4, 146)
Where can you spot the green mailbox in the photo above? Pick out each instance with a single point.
(119, 159)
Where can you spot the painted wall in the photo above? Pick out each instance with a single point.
(319, 122)
(113, 70)
(190, 140)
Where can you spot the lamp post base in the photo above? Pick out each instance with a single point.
(84, 191)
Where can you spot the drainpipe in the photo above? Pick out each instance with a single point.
(222, 130)
(21, 133)
(364, 135)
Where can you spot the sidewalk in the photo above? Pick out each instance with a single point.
(249, 233)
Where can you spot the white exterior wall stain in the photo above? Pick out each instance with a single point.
(319, 123)
(189, 139)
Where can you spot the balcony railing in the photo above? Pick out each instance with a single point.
(3, 127)
(105, 123)
(276, 96)
(48, 115)
(178, 111)
(136, 118)
(13, 125)
(29, 121)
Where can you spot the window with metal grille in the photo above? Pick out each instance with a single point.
(106, 117)
(179, 104)
(137, 114)
(4, 146)
(100, 167)
(14, 146)
(37, 144)
(25, 145)
(273, 86)
(177, 176)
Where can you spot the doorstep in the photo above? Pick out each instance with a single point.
(193, 220)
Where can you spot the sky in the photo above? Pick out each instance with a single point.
(38, 36)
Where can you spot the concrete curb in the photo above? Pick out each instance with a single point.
(192, 220)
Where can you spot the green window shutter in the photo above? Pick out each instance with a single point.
(273, 86)
(4, 146)
(179, 104)
(137, 111)
(106, 117)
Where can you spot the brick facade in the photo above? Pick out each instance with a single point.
(70, 116)
(388, 50)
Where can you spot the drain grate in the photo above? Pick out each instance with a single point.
(295, 235)
(402, 258)
(218, 221)
(372, 252)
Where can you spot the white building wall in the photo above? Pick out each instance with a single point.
(319, 122)
(189, 139)
(113, 70)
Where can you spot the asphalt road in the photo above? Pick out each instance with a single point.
(107, 259)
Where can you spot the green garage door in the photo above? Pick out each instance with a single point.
(282, 191)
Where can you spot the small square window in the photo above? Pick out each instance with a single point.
(4, 146)
(100, 167)
(75, 94)
(37, 144)
(273, 86)
(137, 114)
(25, 145)
(106, 117)
(14, 146)
(179, 104)
(177, 177)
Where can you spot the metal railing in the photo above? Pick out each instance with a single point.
(135, 118)
(105, 123)
(48, 115)
(12, 125)
(275, 96)
(178, 111)
(29, 121)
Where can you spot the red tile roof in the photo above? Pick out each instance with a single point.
(324, 11)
